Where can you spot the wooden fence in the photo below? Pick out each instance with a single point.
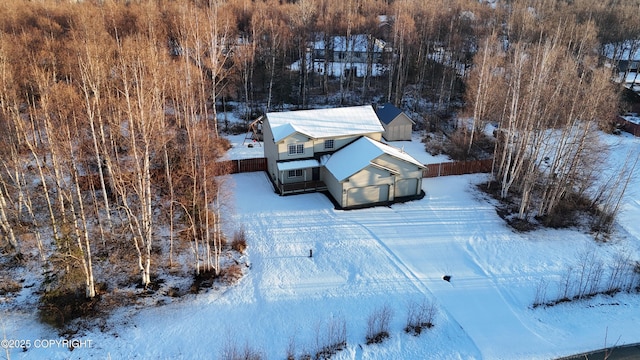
(632, 127)
(243, 165)
(457, 168)
(432, 170)
(260, 164)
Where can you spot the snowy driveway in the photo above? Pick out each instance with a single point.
(363, 260)
(390, 255)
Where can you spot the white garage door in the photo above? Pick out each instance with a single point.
(406, 187)
(367, 195)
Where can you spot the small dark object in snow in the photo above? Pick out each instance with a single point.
(250, 145)
(310, 253)
(446, 278)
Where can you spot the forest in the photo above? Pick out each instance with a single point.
(111, 117)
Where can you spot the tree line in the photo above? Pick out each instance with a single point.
(109, 142)
(543, 82)
(109, 126)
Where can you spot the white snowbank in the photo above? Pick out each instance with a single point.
(365, 259)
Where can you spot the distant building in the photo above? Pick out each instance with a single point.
(630, 123)
(341, 55)
(355, 48)
(625, 58)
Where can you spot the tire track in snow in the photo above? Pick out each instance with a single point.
(398, 263)
(417, 282)
(472, 278)
(493, 280)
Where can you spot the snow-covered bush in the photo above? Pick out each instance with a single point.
(419, 316)
(331, 338)
(589, 276)
(378, 325)
(239, 242)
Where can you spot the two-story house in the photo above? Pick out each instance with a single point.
(358, 54)
(338, 150)
(355, 48)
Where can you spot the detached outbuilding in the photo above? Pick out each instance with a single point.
(630, 123)
(397, 125)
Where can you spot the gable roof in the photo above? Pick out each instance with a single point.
(355, 43)
(360, 154)
(324, 123)
(387, 112)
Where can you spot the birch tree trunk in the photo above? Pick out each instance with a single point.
(80, 223)
(91, 89)
(6, 227)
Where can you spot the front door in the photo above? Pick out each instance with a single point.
(315, 174)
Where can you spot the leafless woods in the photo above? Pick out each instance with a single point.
(109, 142)
(109, 129)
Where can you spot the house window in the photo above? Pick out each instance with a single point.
(296, 149)
(295, 173)
(328, 144)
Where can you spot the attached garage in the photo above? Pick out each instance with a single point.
(367, 195)
(368, 172)
(407, 187)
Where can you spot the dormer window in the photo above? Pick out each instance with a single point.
(296, 149)
(328, 144)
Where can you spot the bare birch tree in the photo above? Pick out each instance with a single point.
(552, 104)
(142, 91)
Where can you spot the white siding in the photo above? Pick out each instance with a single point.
(270, 151)
(341, 141)
(338, 142)
(286, 179)
(295, 139)
(333, 185)
(404, 169)
(367, 195)
(398, 129)
(407, 187)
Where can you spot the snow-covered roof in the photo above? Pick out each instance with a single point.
(325, 123)
(627, 50)
(632, 118)
(387, 112)
(632, 78)
(298, 164)
(360, 154)
(357, 43)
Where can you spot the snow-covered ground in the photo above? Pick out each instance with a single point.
(243, 148)
(370, 258)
